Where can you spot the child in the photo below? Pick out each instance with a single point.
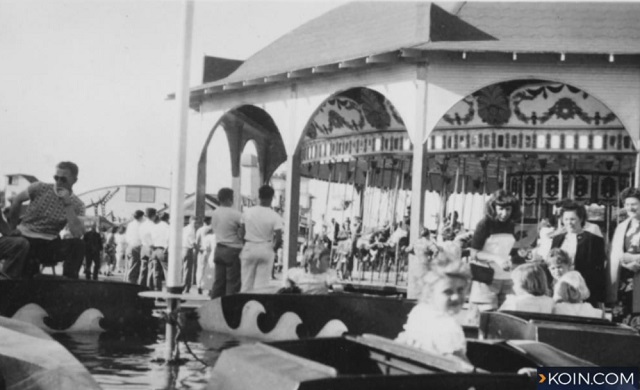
(431, 324)
(530, 288)
(558, 263)
(545, 233)
(569, 293)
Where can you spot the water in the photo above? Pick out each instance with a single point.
(118, 361)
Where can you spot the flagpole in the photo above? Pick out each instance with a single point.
(174, 274)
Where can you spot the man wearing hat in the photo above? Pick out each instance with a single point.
(134, 245)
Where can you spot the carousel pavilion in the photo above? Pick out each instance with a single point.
(542, 99)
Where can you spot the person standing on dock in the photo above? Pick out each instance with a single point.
(134, 246)
(226, 223)
(52, 207)
(93, 248)
(146, 231)
(202, 252)
(159, 253)
(189, 252)
(262, 225)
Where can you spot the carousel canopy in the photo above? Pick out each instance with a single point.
(362, 29)
(521, 131)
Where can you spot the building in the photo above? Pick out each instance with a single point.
(118, 203)
(538, 98)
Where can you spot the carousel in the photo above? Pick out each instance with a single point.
(426, 120)
(543, 141)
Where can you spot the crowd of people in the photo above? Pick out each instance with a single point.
(569, 271)
(229, 253)
(568, 274)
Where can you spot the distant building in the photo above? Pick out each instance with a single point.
(211, 203)
(14, 184)
(117, 203)
(250, 177)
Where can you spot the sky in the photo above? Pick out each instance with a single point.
(87, 81)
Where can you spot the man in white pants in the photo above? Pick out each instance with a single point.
(263, 229)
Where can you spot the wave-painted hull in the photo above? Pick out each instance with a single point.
(57, 304)
(293, 316)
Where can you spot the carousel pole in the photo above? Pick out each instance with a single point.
(397, 252)
(505, 186)
(464, 190)
(618, 184)
(455, 186)
(344, 192)
(395, 194)
(326, 205)
(522, 194)
(334, 248)
(353, 188)
(174, 274)
(572, 180)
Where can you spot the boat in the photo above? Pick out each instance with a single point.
(58, 304)
(609, 344)
(373, 362)
(273, 317)
(31, 360)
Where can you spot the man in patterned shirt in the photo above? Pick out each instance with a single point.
(51, 208)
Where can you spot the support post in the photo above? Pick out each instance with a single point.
(291, 212)
(174, 277)
(201, 188)
(418, 185)
(636, 181)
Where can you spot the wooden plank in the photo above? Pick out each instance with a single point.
(325, 68)
(357, 63)
(385, 58)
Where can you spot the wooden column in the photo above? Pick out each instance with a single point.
(418, 184)
(201, 187)
(291, 211)
(636, 181)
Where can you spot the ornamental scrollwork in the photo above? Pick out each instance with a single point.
(468, 117)
(564, 108)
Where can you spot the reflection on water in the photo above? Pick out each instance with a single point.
(120, 361)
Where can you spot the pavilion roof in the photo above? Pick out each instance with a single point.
(361, 29)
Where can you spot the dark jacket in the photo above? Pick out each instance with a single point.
(93, 242)
(590, 261)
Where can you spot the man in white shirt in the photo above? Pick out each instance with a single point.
(159, 251)
(262, 226)
(226, 223)
(134, 245)
(201, 255)
(146, 229)
(188, 253)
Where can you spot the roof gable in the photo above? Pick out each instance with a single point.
(351, 31)
(554, 20)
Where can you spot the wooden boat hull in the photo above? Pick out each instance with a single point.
(371, 362)
(294, 316)
(58, 304)
(599, 341)
(273, 317)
